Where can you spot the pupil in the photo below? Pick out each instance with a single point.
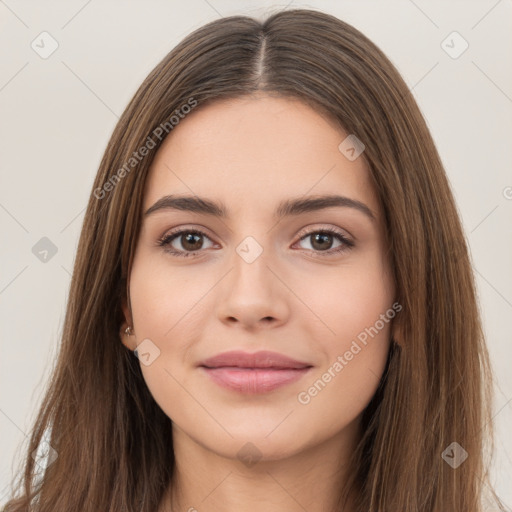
(190, 240)
(322, 237)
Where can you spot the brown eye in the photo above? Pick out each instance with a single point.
(191, 241)
(323, 240)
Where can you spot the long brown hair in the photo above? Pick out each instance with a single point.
(114, 443)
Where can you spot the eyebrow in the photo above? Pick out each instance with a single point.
(288, 207)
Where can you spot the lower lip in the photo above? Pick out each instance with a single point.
(252, 381)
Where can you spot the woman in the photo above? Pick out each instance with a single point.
(215, 356)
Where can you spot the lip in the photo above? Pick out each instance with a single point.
(254, 373)
(261, 359)
(253, 381)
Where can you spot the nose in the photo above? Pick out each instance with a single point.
(253, 295)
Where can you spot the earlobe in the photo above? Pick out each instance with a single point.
(126, 331)
(127, 336)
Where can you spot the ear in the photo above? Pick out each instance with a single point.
(129, 341)
(126, 311)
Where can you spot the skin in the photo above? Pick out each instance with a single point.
(251, 153)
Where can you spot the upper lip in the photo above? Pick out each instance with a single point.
(262, 359)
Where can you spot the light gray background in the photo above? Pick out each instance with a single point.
(58, 113)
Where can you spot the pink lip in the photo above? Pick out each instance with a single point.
(253, 373)
(252, 381)
(262, 359)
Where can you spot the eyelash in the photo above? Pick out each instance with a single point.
(168, 238)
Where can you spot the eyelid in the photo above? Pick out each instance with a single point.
(347, 243)
(303, 232)
(176, 232)
(313, 228)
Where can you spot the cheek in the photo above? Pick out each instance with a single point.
(164, 299)
(170, 308)
(165, 306)
(341, 390)
(355, 306)
(348, 299)
(353, 359)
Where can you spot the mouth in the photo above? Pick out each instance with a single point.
(262, 360)
(255, 373)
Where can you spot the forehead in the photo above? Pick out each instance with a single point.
(255, 151)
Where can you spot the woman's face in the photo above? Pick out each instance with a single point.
(261, 277)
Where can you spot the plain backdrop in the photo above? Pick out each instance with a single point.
(57, 114)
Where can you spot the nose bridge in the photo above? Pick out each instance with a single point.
(253, 238)
(251, 292)
(250, 261)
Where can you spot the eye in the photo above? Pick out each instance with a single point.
(189, 239)
(322, 241)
